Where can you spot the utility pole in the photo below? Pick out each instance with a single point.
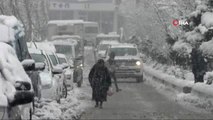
(115, 22)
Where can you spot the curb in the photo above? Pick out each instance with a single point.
(180, 85)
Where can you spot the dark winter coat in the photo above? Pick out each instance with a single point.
(100, 81)
(199, 64)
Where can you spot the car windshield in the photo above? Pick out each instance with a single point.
(62, 60)
(103, 47)
(38, 57)
(53, 59)
(65, 49)
(124, 51)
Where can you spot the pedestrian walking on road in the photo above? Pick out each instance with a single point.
(100, 82)
(111, 65)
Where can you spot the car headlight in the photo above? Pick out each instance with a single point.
(81, 65)
(138, 63)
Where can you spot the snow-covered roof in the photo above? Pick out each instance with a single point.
(61, 55)
(11, 27)
(45, 46)
(62, 42)
(122, 45)
(65, 22)
(34, 50)
(56, 37)
(108, 35)
(109, 42)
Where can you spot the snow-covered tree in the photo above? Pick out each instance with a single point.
(152, 20)
(32, 13)
(198, 34)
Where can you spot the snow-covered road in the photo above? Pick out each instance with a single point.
(142, 101)
(147, 100)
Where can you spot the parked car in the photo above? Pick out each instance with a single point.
(68, 69)
(57, 66)
(14, 36)
(49, 49)
(15, 86)
(50, 88)
(72, 50)
(128, 61)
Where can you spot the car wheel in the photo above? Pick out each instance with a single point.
(139, 79)
(64, 91)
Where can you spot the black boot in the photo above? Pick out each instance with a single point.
(96, 105)
(101, 105)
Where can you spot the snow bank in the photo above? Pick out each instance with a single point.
(207, 19)
(200, 89)
(70, 108)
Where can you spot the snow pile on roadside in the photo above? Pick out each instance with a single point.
(176, 71)
(192, 101)
(70, 108)
(197, 102)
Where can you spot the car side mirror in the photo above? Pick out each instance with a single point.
(79, 57)
(39, 66)
(65, 66)
(22, 85)
(28, 64)
(72, 67)
(22, 97)
(57, 70)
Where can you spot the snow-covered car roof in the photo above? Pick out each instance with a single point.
(58, 37)
(61, 55)
(62, 42)
(110, 42)
(45, 46)
(123, 45)
(65, 22)
(34, 50)
(11, 70)
(11, 28)
(108, 35)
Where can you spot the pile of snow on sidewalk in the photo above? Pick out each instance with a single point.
(70, 108)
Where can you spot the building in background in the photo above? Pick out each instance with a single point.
(102, 11)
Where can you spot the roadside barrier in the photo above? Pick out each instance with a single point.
(200, 89)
